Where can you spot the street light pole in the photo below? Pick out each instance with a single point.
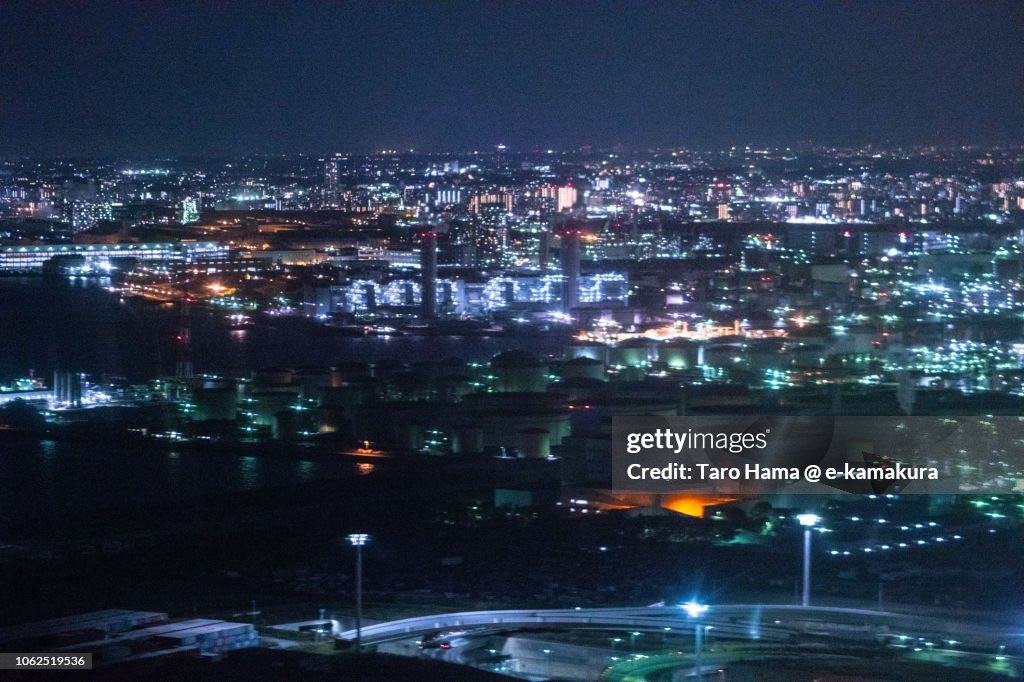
(698, 652)
(357, 540)
(359, 597)
(805, 599)
(807, 521)
(695, 611)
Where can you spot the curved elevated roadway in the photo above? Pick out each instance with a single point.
(745, 621)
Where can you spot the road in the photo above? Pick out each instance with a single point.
(743, 621)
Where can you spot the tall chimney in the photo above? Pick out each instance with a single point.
(428, 273)
(570, 269)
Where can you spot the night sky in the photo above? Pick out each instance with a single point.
(151, 78)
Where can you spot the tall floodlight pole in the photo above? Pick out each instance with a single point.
(357, 540)
(695, 610)
(807, 521)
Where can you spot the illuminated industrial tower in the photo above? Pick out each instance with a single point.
(570, 269)
(189, 210)
(428, 273)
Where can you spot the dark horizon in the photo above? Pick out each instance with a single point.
(801, 148)
(127, 80)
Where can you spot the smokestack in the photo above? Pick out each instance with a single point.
(428, 273)
(570, 269)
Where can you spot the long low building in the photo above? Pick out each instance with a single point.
(28, 259)
(120, 635)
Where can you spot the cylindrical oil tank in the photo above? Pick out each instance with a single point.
(469, 440)
(343, 372)
(587, 349)
(517, 371)
(269, 403)
(216, 403)
(312, 379)
(277, 376)
(408, 436)
(679, 354)
(632, 352)
(534, 443)
(583, 368)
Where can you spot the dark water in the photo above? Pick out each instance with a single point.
(55, 480)
(78, 326)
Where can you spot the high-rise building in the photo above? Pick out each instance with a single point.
(331, 180)
(544, 250)
(723, 212)
(84, 215)
(448, 196)
(566, 198)
(500, 200)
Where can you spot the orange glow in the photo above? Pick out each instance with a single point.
(366, 449)
(607, 506)
(693, 505)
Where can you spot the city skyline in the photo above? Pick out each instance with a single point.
(512, 341)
